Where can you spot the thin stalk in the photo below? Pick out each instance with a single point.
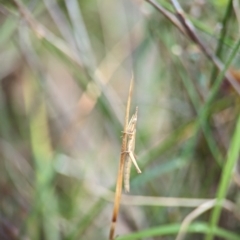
(226, 176)
(118, 191)
(222, 38)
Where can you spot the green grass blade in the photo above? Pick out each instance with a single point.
(172, 229)
(232, 158)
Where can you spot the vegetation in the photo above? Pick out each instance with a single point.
(65, 73)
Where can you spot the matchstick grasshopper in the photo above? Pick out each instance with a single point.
(131, 134)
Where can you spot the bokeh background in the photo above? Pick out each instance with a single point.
(64, 78)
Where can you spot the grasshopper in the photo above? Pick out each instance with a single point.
(131, 133)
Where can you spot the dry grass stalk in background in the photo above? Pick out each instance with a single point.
(185, 26)
(118, 191)
(202, 208)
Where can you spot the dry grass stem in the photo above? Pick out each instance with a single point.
(186, 27)
(118, 191)
(228, 205)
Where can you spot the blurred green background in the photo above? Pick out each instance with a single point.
(65, 73)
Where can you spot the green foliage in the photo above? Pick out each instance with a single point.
(65, 73)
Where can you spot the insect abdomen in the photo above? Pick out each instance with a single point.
(127, 170)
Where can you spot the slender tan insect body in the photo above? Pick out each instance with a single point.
(126, 177)
(128, 162)
(131, 132)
